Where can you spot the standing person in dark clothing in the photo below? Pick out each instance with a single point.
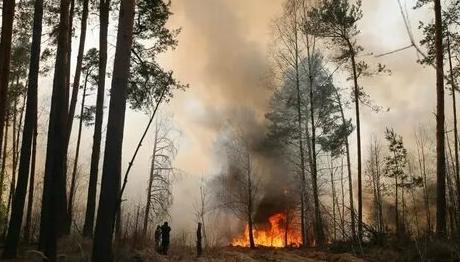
(157, 238)
(165, 229)
(199, 247)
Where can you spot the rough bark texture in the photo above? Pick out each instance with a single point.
(94, 169)
(5, 55)
(440, 132)
(53, 193)
(28, 139)
(110, 186)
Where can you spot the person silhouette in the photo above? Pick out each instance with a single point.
(165, 230)
(158, 238)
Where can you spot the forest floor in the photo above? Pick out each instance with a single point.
(183, 254)
(237, 254)
(76, 249)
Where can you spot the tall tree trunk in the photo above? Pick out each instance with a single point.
(440, 119)
(450, 191)
(28, 141)
(422, 166)
(149, 188)
(334, 202)
(62, 204)
(314, 174)
(350, 180)
(20, 128)
(54, 186)
(454, 110)
(76, 78)
(5, 56)
(13, 168)
(75, 162)
(30, 197)
(104, 9)
(356, 94)
(342, 191)
(250, 205)
(4, 157)
(301, 146)
(110, 187)
(397, 206)
(73, 101)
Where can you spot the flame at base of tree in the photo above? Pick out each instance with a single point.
(278, 232)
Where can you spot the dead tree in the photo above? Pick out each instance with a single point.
(236, 187)
(421, 157)
(159, 193)
(375, 175)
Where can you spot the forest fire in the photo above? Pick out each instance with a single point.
(277, 232)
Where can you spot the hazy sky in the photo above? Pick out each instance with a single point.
(224, 54)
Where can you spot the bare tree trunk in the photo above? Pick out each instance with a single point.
(450, 203)
(149, 188)
(440, 119)
(350, 180)
(76, 79)
(356, 94)
(4, 157)
(334, 202)
(396, 206)
(422, 165)
(29, 140)
(5, 56)
(301, 146)
(75, 162)
(104, 9)
(250, 206)
(342, 219)
(110, 187)
(454, 110)
(13, 168)
(54, 186)
(30, 199)
(314, 174)
(450, 189)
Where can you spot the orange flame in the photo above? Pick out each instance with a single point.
(276, 233)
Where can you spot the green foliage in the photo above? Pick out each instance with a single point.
(283, 114)
(396, 162)
(337, 21)
(451, 15)
(89, 69)
(88, 115)
(148, 79)
(90, 66)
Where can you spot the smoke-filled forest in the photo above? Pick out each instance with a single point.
(229, 130)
